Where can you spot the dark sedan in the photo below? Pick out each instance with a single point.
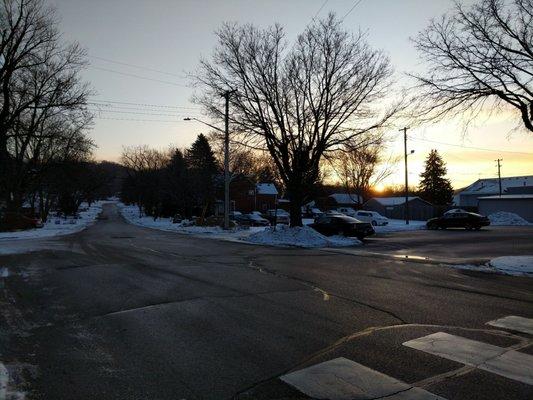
(251, 220)
(465, 220)
(329, 225)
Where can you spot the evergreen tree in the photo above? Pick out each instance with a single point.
(434, 186)
(202, 171)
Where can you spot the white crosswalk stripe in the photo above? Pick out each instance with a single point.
(509, 363)
(343, 379)
(514, 323)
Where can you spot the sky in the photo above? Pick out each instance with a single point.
(140, 52)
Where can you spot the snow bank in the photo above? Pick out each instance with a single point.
(300, 237)
(507, 218)
(58, 226)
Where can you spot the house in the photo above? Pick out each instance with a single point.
(468, 197)
(337, 200)
(394, 207)
(520, 204)
(247, 196)
(266, 195)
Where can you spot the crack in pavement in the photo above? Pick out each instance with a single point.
(325, 292)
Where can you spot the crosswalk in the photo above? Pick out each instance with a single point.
(344, 379)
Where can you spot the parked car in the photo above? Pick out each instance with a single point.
(12, 221)
(234, 214)
(342, 225)
(373, 217)
(349, 211)
(251, 220)
(465, 220)
(278, 216)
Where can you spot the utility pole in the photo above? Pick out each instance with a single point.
(406, 208)
(499, 160)
(226, 161)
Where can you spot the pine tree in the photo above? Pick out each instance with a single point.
(434, 186)
(202, 171)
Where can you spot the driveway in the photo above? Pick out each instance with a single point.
(123, 312)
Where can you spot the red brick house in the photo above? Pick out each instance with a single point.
(247, 196)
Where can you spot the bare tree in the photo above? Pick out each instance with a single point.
(479, 57)
(300, 102)
(363, 165)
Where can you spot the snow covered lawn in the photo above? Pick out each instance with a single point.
(398, 225)
(282, 236)
(507, 218)
(507, 265)
(58, 226)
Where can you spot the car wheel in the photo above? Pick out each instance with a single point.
(433, 227)
(360, 238)
(374, 223)
(477, 228)
(469, 227)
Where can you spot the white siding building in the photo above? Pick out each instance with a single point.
(469, 196)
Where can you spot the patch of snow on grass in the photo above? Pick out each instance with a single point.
(56, 226)
(399, 225)
(300, 237)
(507, 218)
(513, 265)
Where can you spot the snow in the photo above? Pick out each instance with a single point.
(300, 237)
(392, 201)
(266, 188)
(58, 226)
(507, 218)
(507, 265)
(513, 265)
(399, 225)
(281, 236)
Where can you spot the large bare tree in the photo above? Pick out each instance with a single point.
(297, 102)
(478, 58)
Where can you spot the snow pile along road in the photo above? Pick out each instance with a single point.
(300, 237)
(513, 265)
(507, 218)
(399, 225)
(56, 226)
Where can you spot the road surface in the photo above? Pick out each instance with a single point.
(123, 312)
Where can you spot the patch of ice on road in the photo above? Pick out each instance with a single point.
(57, 226)
(300, 237)
(507, 218)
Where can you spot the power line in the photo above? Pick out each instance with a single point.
(136, 76)
(351, 9)
(138, 120)
(470, 147)
(136, 66)
(320, 9)
(140, 113)
(105, 102)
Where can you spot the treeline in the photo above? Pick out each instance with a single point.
(185, 182)
(45, 152)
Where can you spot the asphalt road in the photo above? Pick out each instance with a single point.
(122, 312)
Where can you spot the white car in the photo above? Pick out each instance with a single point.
(349, 211)
(371, 216)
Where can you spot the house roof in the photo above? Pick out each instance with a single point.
(508, 197)
(345, 198)
(266, 188)
(491, 185)
(393, 201)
